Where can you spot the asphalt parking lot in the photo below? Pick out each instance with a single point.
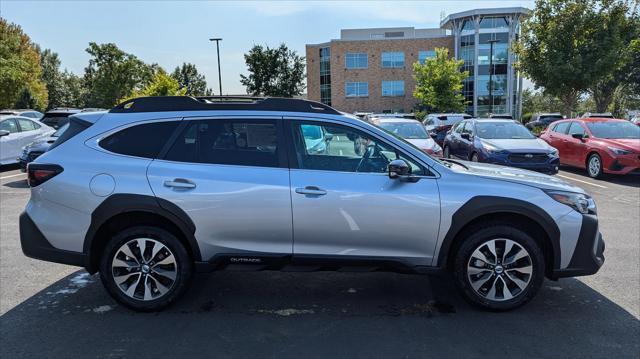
(57, 311)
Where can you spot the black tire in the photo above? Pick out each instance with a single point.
(183, 266)
(445, 152)
(595, 160)
(476, 240)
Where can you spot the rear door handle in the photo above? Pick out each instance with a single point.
(311, 190)
(180, 183)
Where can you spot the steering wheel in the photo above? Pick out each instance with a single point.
(365, 157)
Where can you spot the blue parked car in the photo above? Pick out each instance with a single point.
(502, 142)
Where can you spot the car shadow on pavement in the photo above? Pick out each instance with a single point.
(323, 315)
(631, 180)
(17, 184)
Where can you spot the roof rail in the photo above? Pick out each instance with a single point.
(243, 103)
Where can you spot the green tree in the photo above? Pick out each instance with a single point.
(52, 77)
(113, 74)
(439, 82)
(19, 68)
(26, 99)
(188, 77)
(566, 47)
(160, 85)
(274, 72)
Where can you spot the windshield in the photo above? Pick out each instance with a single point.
(406, 130)
(60, 130)
(502, 130)
(614, 129)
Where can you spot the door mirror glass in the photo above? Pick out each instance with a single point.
(577, 136)
(398, 168)
(328, 136)
(466, 136)
(4, 133)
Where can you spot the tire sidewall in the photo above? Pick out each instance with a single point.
(183, 262)
(481, 236)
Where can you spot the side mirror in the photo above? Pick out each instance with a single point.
(466, 136)
(4, 133)
(578, 136)
(400, 169)
(433, 135)
(328, 136)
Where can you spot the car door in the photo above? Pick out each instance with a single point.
(230, 175)
(9, 144)
(456, 133)
(345, 205)
(29, 131)
(559, 140)
(575, 147)
(466, 144)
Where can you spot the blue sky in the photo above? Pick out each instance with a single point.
(172, 32)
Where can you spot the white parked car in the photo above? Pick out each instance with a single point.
(17, 132)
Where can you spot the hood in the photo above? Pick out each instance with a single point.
(517, 175)
(631, 144)
(422, 143)
(520, 145)
(41, 145)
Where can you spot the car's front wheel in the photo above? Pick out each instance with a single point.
(594, 166)
(145, 268)
(499, 267)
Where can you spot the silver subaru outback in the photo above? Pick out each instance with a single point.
(158, 188)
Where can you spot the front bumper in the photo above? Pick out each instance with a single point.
(623, 164)
(35, 245)
(550, 166)
(588, 255)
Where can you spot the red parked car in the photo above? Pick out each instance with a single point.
(600, 145)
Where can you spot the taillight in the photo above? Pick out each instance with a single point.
(38, 173)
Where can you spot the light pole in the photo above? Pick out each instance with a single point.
(217, 40)
(491, 42)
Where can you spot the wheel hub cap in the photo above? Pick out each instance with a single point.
(144, 269)
(499, 269)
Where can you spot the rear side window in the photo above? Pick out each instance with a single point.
(146, 140)
(27, 125)
(228, 142)
(562, 127)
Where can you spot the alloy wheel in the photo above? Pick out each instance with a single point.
(594, 166)
(499, 269)
(144, 269)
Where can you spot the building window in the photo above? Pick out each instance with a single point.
(493, 23)
(468, 25)
(325, 75)
(356, 60)
(392, 88)
(393, 59)
(356, 89)
(424, 55)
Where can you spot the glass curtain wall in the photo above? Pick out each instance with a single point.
(325, 75)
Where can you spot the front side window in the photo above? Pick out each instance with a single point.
(9, 125)
(576, 129)
(356, 60)
(392, 88)
(27, 125)
(145, 140)
(393, 59)
(329, 147)
(356, 89)
(424, 55)
(227, 142)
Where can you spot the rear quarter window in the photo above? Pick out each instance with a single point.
(145, 140)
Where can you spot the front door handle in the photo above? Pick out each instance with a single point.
(311, 190)
(180, 183)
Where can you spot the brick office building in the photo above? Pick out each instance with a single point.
(372, 69)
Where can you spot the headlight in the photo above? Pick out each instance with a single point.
(619, 151)
(578, 201)
(493, 149)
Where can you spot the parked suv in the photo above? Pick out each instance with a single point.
(542, 120)
(157, 188)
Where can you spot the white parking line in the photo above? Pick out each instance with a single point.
(575, 179)
(19, 174)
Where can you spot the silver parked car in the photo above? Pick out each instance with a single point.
(17, 132)
(157, 188)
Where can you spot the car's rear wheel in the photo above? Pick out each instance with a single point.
(499, 267)
(145, 268)
(445, 152)
(594, 166)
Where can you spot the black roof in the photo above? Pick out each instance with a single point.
(221, 103)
